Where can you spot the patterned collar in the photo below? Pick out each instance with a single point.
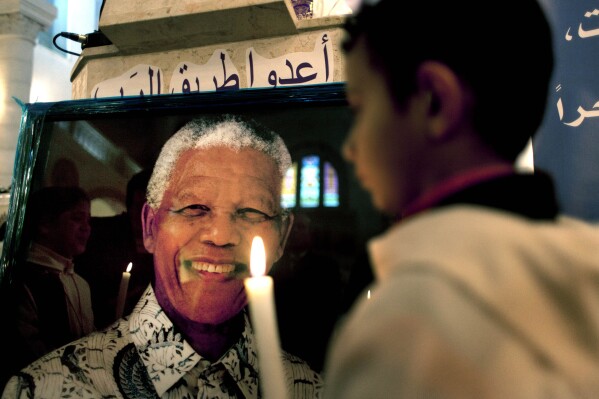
(168, 357)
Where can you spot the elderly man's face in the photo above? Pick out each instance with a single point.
(216, 201)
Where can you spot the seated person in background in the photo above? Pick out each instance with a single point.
(115, 241)
(308, 293)
(50, 303)
(215, 186)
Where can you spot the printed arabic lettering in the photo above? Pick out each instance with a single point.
(581, 111)
(585, 33)
(160, 82)
(260, 71)
(151, 73)
(325, 39)
(298, 72)
(232, 78)
(141, 92)
(326, 63)
(251, 69)
(568, 35)
(185, 87)
(272, 78)
(297, 78)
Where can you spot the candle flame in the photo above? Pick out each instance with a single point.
(129, 267)
(258, 257)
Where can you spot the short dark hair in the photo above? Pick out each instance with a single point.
(503, 53)
(48, 203)
(137, 183)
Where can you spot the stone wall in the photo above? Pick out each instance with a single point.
(164, 34)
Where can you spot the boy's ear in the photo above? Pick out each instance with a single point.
(148, 222)
(445, 98)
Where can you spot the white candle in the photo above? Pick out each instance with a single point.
(259, 288)
(120, 300)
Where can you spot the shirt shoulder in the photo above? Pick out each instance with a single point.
(303, 380)
(83, 367)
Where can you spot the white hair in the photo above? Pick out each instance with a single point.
(230, 132)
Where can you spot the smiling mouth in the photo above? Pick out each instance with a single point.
(236, 269)
(212, 268)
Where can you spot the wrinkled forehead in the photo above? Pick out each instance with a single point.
(247, 168)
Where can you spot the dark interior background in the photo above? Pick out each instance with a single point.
(101, 144)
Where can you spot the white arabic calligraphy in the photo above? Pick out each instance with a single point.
(585, 33)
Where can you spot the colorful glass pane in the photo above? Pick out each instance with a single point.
(310, 181)
(289, 187)
(331, 186)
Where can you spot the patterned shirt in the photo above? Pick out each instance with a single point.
(144, 356)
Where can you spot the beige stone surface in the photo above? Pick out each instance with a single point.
(164, 33)
(166, 26)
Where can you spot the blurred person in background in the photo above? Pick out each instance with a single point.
(482, 288)
(50, 304)
(115, 242)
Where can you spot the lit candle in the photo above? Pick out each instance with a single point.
(120, 300)
(259, 288)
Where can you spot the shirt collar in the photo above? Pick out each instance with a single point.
(454, 184)
(46, 257)
(167, 356)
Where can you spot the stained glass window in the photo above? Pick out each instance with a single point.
(331, 186)
(289, 189)
(310, 182)
(302, 183)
